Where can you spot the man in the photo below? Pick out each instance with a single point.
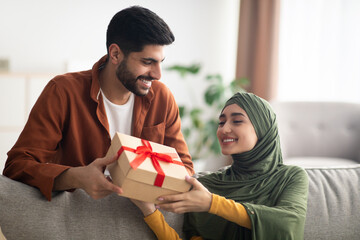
(71, 125)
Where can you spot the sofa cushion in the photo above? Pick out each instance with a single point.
(333, 203)
(26, 214)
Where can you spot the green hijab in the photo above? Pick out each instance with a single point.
(273, 194)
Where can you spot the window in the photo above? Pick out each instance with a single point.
(319, 50)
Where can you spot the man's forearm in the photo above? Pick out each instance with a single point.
(66, 180)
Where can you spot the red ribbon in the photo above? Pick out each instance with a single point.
(146, 151)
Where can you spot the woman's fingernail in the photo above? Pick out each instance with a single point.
(187, 177)
(161, 199)
(157, 207)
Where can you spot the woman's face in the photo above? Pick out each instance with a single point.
(235, 133)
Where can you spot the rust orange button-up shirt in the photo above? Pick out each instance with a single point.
(67, 127)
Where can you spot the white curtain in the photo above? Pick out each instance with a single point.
(319, 50)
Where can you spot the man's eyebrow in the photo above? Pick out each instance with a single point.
(152, 59)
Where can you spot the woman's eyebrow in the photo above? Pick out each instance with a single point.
(232, 114)
(237, 114)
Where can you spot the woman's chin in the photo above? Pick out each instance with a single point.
(226, 152)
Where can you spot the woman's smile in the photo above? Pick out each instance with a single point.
(228, 140)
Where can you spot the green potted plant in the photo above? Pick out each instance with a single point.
(199, 129)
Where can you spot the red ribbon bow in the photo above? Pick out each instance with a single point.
(146, 151)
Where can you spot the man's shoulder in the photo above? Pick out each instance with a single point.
(72, 79)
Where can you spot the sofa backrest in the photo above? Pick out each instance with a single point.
(319, 129)
(26, 215)
(333, 211)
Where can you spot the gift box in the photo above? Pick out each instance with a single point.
(146, 170)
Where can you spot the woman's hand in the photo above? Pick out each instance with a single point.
(196, 200)
(145, 207)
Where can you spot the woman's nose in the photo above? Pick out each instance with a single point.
(226, 128)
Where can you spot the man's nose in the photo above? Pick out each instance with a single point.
(155, 71)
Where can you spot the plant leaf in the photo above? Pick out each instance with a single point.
(213, 93)
(238, 84)
(182, 112)
(185, 70)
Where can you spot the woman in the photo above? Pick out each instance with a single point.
(257, 197)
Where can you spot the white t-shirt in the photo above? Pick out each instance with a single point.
(119, 116)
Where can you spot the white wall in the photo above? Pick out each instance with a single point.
(42, 36)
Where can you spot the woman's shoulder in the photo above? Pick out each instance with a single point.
(205, 174)
(293, 168)
(294, 171)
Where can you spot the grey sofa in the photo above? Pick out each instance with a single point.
(324, 139)
(319, 134)
(333, 211)
(26, 214)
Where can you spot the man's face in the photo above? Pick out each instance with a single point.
(137, 70)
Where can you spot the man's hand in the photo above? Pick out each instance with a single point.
(197, 200)
(89, 178)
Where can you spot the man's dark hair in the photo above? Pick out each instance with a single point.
(134, 27)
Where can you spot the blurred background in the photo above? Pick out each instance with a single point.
(283, 50)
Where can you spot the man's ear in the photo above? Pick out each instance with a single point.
(115, 54)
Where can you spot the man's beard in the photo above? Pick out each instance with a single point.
(129, 80)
